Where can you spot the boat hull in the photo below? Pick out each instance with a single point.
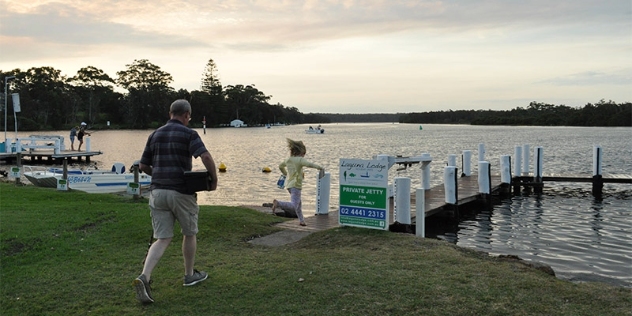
(105, 183)
(315, 131)
(91, 182)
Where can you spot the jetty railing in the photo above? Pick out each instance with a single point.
(523, 179)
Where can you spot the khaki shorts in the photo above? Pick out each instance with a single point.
(167, 206)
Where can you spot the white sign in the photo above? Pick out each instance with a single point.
(15, 172)
(364, 193)
(16, 102)
(133, 188)
(62, 184)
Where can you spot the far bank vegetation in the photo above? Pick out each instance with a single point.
(139, 98)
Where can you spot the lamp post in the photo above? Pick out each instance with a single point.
(6, 97)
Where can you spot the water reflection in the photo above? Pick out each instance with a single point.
(580, 239)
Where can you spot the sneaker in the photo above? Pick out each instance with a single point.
(143, 291)
(197, 277)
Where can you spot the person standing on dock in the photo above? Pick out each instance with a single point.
(292, 168)
(82, 132)
(73, 134)
(167, 155)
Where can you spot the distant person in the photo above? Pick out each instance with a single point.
(294, 181)
(73, 134)
(167, 155)
(82, 132)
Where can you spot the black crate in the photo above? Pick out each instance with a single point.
(197, 181)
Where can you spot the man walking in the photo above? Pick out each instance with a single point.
(167, 155)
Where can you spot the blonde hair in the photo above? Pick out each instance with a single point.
(297, 148)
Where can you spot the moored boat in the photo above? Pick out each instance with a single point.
(90, 180)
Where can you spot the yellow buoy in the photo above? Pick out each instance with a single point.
(266, 169)
(222, 167)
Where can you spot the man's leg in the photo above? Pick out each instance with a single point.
(142, 284)
(189, 247)
(154, 254)
(191, 275)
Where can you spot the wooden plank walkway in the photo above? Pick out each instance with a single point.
(49, 157)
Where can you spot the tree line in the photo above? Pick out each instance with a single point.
(602, 113)
(52, 101)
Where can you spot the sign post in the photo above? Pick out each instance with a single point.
(364, 193)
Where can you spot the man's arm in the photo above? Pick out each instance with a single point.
(209, 163)
(145, 168)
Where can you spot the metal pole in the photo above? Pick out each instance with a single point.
(6, 79)
(6, 82)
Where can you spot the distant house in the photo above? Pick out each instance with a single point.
(237, 123)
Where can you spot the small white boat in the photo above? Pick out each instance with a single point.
(90, 180)
(317, 130)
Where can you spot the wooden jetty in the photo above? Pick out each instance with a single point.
(465, 190)
(597, 181)
(468, 192)
(434, 204)
(49, 157)
(606, 178)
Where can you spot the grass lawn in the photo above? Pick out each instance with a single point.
(72, 253)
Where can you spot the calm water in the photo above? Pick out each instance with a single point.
(582, 239)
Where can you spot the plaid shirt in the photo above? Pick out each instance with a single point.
(169, 150)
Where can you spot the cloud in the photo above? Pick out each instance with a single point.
(62, 24)
(281, 24)
(342, 52)
(590, 78)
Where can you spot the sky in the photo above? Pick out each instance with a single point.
(344, 56)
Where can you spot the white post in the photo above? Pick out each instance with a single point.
(505, 169)
(449, 183)
(402, 200)
(483, 177)
(481, 152)
(387, 159)
(425, 173)
(88, 147)
(57, 146)
(467, 163)
(597, 160)
(525, 159)
(323, 186)
(518, 160)
(420, 209)
(452, 160)
(382, 157)
(18, 146)
(538, 160)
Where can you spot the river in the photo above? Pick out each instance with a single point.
(580, 237)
